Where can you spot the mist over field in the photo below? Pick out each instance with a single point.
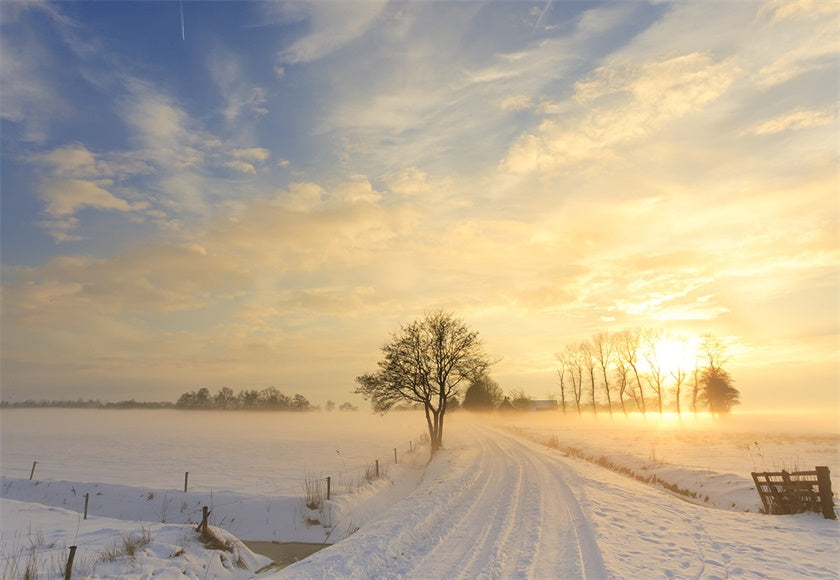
(269, 451)
(221, 450)
(256, 471)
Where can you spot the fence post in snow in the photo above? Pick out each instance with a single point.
(826, 496)
(328, 487)
(377, 468)
(205, 513)
(32, 473)
(186, 479)
(68, 570)
(87, 499)
(395, 455)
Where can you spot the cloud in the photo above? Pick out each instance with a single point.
(795, 121)
(64, 198)
(29, 95)
(516, 103)
(240, 95)
(241, 166)
(245, 160)
(251, 154)
(75, 179)
(409, 181)
(620, 104)
(786, 10)
(816, 48)
(302, 197)
(333, 25)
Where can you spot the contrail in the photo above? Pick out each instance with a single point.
(183, 37)
(547, 6)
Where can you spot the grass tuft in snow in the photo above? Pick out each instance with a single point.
(313, 492)
(128, 546)
(372, 473)
(212, 540)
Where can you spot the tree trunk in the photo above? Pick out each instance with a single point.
(641, 401)
(607, 390)
(430, 425)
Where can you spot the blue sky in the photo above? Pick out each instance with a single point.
(263, 199)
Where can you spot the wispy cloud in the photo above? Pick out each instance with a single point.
(241, 96)
(332, 26)
(797, 120)
(619, 105)
(74, 178)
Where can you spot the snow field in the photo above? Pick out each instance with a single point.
(496, 502)
(493, 505)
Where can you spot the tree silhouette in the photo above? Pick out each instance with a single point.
(426, 362)
(716, 386)
(483, 393)
(717, 390)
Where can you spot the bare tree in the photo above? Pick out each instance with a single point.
(621, 374)
(574, 361)
(587, 355)
(628, 351)
(561, 373)
(713, 351)
(695, 383)
(426, 362)
(650, 338)
(603, 346)
(679, 375)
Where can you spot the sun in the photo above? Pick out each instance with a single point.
(675, 351)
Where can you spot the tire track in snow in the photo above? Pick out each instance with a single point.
(490, 506)
(566, 546)
(488, 526)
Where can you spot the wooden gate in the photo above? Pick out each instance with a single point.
(784, 492)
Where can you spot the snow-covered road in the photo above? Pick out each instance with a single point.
(489, 506)
(492, 505)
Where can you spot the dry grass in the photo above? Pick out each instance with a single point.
(212, 541)
(127, 546)
(313, 492)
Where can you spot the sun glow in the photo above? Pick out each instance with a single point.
(676, 353)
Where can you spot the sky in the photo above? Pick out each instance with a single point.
(208, 194)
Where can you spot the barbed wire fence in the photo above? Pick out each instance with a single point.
(30, 555)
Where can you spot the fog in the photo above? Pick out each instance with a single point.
(739, 443)
(272, 452)
(255, 452)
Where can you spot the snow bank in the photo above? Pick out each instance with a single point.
(37, 538)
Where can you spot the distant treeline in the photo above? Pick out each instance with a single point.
(269, 399)
(225, 399)
(87, 404)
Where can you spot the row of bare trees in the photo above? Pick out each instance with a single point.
(644, 367)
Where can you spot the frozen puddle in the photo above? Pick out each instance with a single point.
(284, 553)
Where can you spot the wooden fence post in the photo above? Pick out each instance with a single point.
(328, 487)
(186, 479)
(826, 497)
(410, 446)
(205, 513)
(395, 455)
(87, 498)
(68, 570)
(377, 468)
(32, 473)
